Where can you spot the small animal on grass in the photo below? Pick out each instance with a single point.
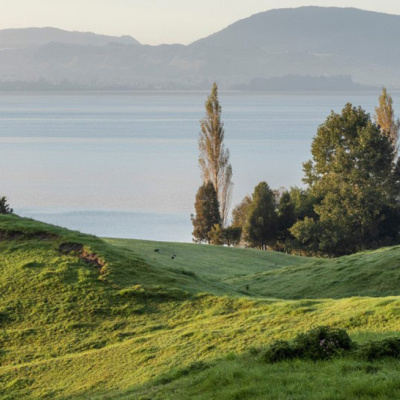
(156, 250)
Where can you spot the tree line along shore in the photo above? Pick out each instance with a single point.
(350, 200)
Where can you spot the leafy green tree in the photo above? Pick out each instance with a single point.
(389, 226)
(207, 213)
(214, 157)
(216, 235)
(303, 203)
(220, 236)
(354, 175)
(262, 222)
(286, 218)
(4, 206)
(232, 235)
(240, 213)
(385, 119)
(308, 235)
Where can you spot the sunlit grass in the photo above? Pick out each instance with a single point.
(371, 273)
(69, 330)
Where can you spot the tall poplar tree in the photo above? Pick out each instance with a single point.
(214, 157)
(385, 119)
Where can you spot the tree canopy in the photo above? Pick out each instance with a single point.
(262, 223)
(207, 213)
(4, 206)
(385, 119)
(355, 175)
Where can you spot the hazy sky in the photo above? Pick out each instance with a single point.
(155, 21)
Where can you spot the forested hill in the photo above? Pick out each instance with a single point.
(307, 41)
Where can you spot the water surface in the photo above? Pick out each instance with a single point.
(125, 164)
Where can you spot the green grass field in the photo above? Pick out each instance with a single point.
(89, 318)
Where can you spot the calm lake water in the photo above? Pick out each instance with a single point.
(125, 164)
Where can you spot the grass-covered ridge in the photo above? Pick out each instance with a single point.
(214, 263)
(276, 275)
(370, 273)
(82, 317)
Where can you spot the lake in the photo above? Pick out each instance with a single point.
(125, 164)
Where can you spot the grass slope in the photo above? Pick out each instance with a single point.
(243, 378)
(370, 273)
(85, 318)
(214, 263)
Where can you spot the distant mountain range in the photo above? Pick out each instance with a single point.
(34, 37)
(313, 47)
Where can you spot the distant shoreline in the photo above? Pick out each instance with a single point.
(183, 91)
(280, 84)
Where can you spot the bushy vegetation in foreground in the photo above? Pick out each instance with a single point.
(324, 342)
(82, 317)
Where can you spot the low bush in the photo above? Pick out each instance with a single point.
(323, 343)
(375, 350)
(279, 350)
(320, 343)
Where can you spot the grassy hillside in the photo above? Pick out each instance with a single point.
(246, 379)
(277, 275)
(371, 273)
(214, 263)
(86, 318)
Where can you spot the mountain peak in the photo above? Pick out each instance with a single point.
(307, 28)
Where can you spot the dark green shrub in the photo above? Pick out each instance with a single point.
(278, 351)
(5, 207)
(375, 350)
(321, 343)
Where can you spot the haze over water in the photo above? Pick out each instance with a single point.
(125, 164)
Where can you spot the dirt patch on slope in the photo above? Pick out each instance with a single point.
(70, 247)
(79, 250)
